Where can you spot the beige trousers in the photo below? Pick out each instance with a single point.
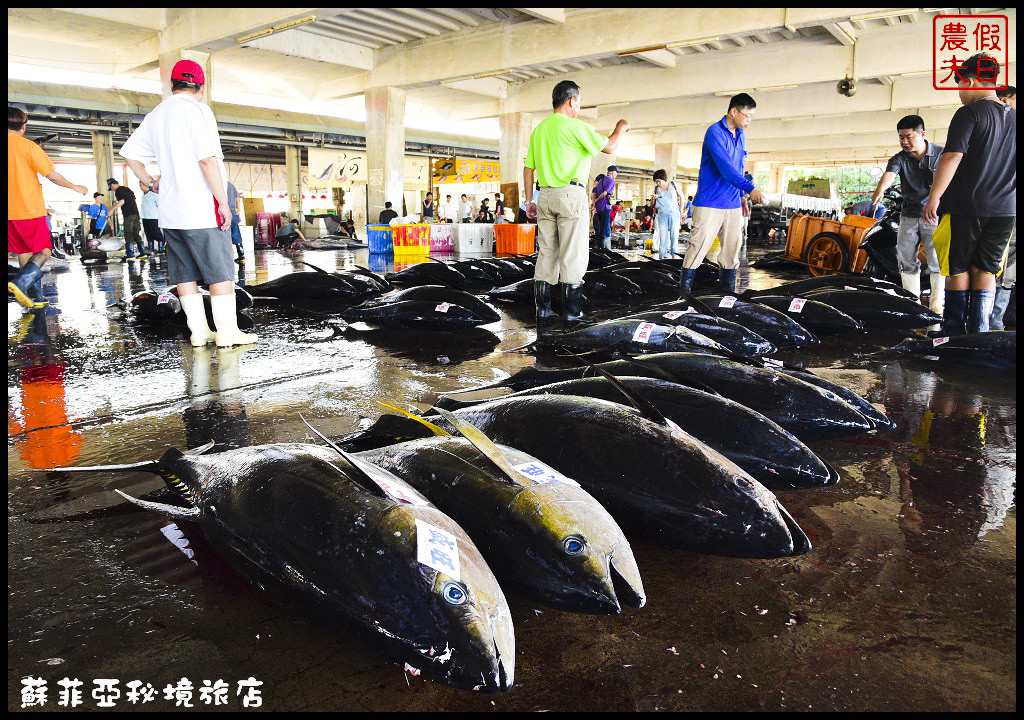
(563, 252)
(709, 222)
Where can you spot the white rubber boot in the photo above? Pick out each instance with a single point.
(912, 282)
(938, 293)
(195, 313)
(226, 320)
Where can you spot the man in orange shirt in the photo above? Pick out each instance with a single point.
(27, 232)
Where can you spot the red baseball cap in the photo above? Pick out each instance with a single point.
(189, 71)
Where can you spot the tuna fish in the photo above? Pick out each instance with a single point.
(772, 325)
(324, 531)
(730, 335)
(802, 287)
(313, 286)
(630, 336)
(538, 530)
(417, 315)
(441, 294)
(816, 316)
(651, 280)
(428, 273)
(997, 347)
(878, 309)
(761, 447)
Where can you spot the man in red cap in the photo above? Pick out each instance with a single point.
(27, 233)
(181, 134)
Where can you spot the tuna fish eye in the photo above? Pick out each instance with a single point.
(574, 545)
(454, 594)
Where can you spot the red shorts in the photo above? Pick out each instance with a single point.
(28, 236)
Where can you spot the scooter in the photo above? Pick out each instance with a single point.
(879, 241)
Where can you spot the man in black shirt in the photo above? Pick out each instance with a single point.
(387, 214)
(975, 193)
(125, 199)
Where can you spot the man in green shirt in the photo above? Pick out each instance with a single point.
(559, 159)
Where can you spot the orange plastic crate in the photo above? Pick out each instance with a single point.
(513, 239)
(411, 239)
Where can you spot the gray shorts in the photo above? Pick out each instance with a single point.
(200, 256)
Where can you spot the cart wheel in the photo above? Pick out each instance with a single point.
(826, 254)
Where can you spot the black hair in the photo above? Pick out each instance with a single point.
(977, 66)
(1008, 91)
(430, 194)
(563, 92)
(97, 194)
(911, 122)
(463, 195)
(387, 205)
(741, 101)
(598, 178)
(689, 197)
(16, 117)
(177, 85)
(484, 201)
(660, 175)
(447, 196)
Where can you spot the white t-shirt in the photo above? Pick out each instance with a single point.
(448, 210)
(178, 133)
(465, 210)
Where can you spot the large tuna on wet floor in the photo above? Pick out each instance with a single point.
(313, 286)
(730, 335)
(657, 480)
(629, 336)
(878, 309)
(417, 315)
(428, 273)
(441, 294)
(758, 445)
(814, 315)
(537, 529)
(772, 325)
(832, 282)
(997, 347)
(341, 537)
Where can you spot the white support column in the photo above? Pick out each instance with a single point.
(293, 171)
(666, 157)
(103, 158)
(167, 61)
(512, 147)
(385, 149)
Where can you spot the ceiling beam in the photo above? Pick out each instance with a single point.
(840, 33)
(297, 43)
(144, 17)
(491, 87)
(555, 16)
(660, 58)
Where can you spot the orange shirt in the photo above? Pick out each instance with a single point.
(24, 193)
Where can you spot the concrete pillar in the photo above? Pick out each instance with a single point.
(385, 149)
(512, 148)
(775, 179)
(103, 157)
(293, 171)
(666, 157)
(167, 61)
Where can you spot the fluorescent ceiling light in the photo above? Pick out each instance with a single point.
(276, 28)
(491, 74)
(919, 73)
(884, 14)
(686, 43)
(728, 93)
(771, 88)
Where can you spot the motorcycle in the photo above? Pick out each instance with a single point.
(879, 242)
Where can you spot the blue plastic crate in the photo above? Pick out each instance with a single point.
(378, 238)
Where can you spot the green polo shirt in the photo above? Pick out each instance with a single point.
(561, 148)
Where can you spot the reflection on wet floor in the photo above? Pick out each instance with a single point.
(907, 601)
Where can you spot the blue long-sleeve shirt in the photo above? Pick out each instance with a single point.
(720, 183)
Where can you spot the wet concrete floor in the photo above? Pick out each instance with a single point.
(907, 602)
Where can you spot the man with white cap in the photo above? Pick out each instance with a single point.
(181, 134)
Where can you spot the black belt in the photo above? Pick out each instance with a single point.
(571, 182)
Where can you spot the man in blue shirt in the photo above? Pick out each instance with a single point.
(717, 209)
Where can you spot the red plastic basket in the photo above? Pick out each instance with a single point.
(513, 239)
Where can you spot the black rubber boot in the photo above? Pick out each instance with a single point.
(31, 273)
(542, 298)
(981, 309)
(572, 304)
(954, 315)
(727, 280)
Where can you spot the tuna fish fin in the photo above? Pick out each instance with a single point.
(431, 426)
(481, 442)
(201, 450)
(670, 376)
(362, 477)
(318, 269)
(643, 405)
(172, 511)
(150, 465)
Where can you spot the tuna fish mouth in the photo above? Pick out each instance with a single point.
(833, 474)
(625, 592)
(498, 680)
(801, 543)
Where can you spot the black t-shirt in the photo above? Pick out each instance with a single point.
(386, 216)
(985, 183)
(130, 207)
(428, 209)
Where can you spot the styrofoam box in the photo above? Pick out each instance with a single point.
(474, 238)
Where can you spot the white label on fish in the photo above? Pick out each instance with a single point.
(849, 287)
(165, 297)
(404, 494)
(438, 549)
(770, 362)
(727, 302)
(643, 332)
(673, 314)
(797, 305)
(940, 341)
(541, 474)
(443, 307)
(691, 309)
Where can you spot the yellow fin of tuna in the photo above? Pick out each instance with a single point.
(433, 428)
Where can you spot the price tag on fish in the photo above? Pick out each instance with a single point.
(940, 341)
(849, 287)
(443, 307)
(541, 474)
(691, 309)
(727, 302)
(165, 297)
(403, 494)
(673, 314)
(438, 549)
(643, 332)
(797, 305)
